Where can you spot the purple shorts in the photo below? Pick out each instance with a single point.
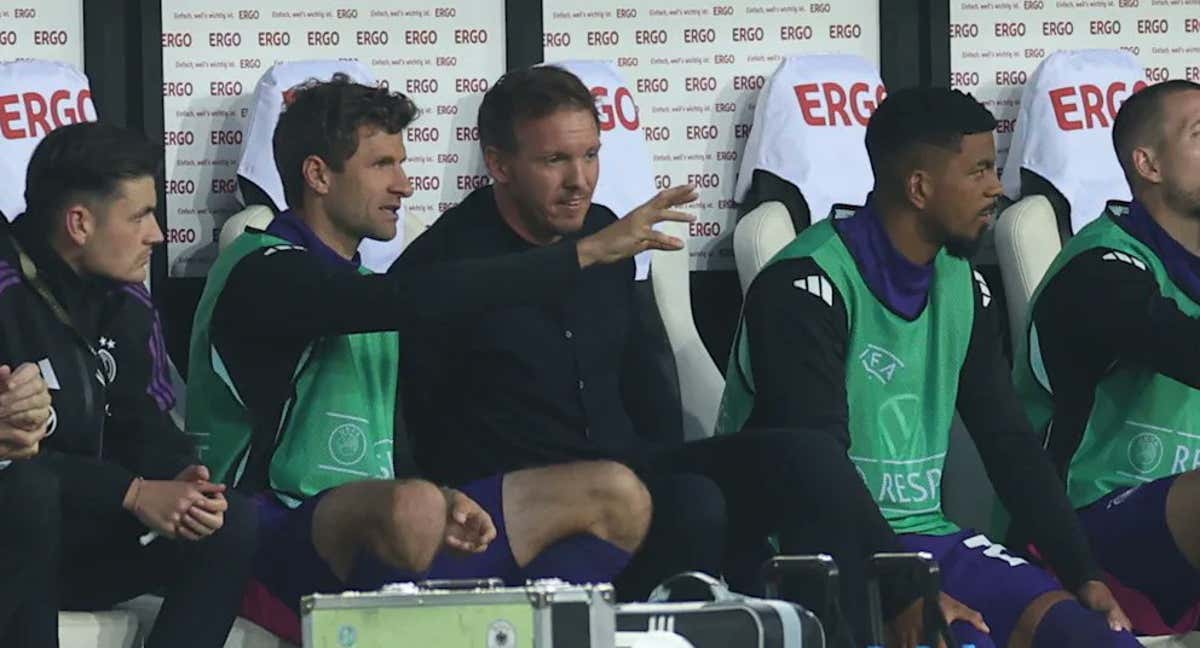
(287, 564)
(985, 577)
(1129, 535)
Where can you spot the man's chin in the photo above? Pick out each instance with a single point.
(133, 276)
(385, 233)
(565, 224)
(963, 247)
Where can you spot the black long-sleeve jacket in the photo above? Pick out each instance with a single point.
(107, 372)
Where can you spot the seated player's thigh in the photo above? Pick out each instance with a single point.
(1148, 538)
(985, 577)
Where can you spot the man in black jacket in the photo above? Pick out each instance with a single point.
(138, 511)
(551, 382)
(29, 508)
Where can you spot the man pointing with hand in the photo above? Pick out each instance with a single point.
(575, 377)
(297, 352)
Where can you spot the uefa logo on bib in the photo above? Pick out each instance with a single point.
(880, 363)
(1145, 452)
(347, 444)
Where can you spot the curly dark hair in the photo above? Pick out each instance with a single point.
(322, 118)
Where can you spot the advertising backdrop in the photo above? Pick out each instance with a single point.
(995, 46)
(42, 29)
(695, 69)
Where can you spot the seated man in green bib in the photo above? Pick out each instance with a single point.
(293, 384)
(865, 335)
(1109, 367)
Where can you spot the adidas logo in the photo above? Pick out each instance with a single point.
(1124, 258)
(817, 285)
(275, 249)
(282, 248)
(984, 290)
(661, 623)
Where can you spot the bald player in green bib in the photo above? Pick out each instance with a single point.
(1109, 365)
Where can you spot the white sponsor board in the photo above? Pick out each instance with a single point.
(51, 30)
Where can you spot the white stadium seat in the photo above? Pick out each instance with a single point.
(255, 216)
(817, 149)
(111, 629)
(759, 235)
(1190, 640)
(1065, 153)
(700, 380)
(1027, 240)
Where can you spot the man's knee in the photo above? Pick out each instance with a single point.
(1067, 624)
(1186, 489)
(624, 503)
(969, 635)
(412, 529)
(1183, 499)
(693, 503)
(32, 503)
(237, 539)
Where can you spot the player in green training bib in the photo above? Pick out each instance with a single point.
(1109, 365)
(865, 335)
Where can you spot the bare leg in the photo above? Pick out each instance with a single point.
(1022, 635)
(545, 505)
(401, 522)
(1183, 502)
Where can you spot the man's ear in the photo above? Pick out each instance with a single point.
(317, 174)
(1145, 162)
(918, 188)
(498, 163)
(80, 223)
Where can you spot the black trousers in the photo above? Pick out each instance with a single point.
(202, 582)
(687, 532)
(716, 501)
(29, 550)
(761, 491)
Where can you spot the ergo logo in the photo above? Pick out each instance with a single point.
(1099, 106)
(860, 99)
(32, 114)
(622, 110)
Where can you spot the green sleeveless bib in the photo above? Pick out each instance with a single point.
(1143, 425)
(336, 428)
(901, 379)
